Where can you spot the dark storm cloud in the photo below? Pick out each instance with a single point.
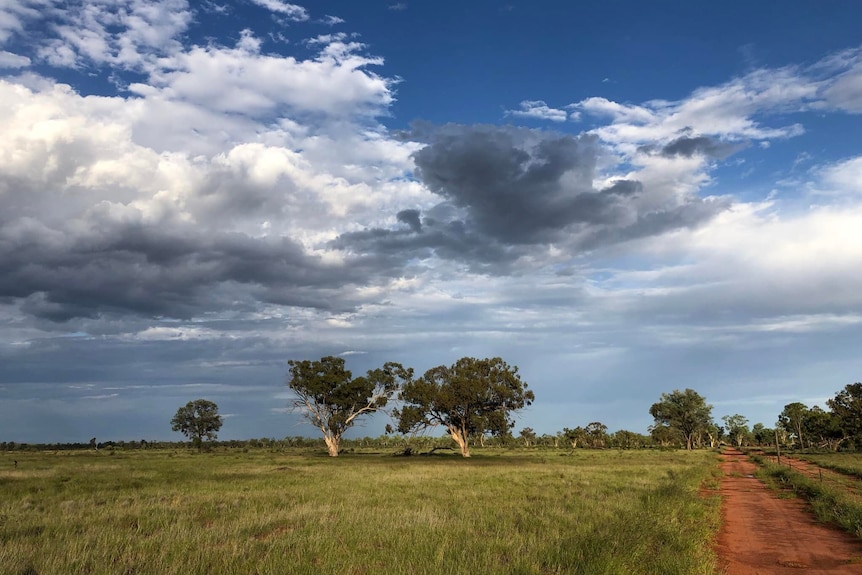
(701, 145)
(150, 271)
(411, 218)
(508, 192)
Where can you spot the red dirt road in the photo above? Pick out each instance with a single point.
(764, 535)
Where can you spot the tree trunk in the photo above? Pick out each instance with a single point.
(461, 440)
(332, 442)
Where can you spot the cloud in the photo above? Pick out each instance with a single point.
(14, 14)
(538, 110)
(513, 196)
(242, 80)
(10, 60)
(699, 145)
(332, 20)
(729, 111)
(129, 36)
(291, 11)
(399, 7)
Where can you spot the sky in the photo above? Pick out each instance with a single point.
(619, 198)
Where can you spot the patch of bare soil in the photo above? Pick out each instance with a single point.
(763, 534)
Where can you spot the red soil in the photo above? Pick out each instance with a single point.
(764, 535)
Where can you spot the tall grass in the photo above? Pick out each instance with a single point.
(847, 463)
(149, 512)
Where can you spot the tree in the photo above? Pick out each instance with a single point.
(471, 396)
(597, 432)
(847, 407)
(528, 436)
(792, 419)
(762, 434)
(332, 400)
(197, 420)
(685, 411)
(737, 428)
(664, 435)
(575, 436)
(824, 426)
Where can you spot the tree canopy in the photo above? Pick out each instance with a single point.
(331, 399)
(847, 407)
(197, 420)
(792, 420)
(684, 411)
(472, 396)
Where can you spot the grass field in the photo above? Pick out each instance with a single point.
(162, 512)
(848, 463)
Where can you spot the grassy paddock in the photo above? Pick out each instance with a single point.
(161, 512)
(847, 463)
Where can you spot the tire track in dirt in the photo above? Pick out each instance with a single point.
(764, 535)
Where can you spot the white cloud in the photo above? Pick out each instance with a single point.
(14, 13)
(727, 111)
(125, 34)
(291, 11)
(332, 20)
(841, 179)
(538, 110)
(10, 60)
(242, 80)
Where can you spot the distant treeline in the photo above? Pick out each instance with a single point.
(526, 439)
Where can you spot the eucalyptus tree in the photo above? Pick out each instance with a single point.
(847, 408)
(684, 411)
(332, 400)
(197, 420)
(737, 428)
(469, 397)
(792, 419)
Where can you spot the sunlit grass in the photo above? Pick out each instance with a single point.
(848, 463)
(259, 512)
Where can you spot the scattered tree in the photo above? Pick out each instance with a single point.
(528, 436)
(469, 397)
(575, 436)
(197, 420)
(684, 411)
(331, 399)
(847, 407)
(597, 433)
(762, 435)
(792, 419)
(824, 427)
(737, 428)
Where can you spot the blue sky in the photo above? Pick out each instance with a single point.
(620, 198)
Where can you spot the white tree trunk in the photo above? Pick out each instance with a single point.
(332, 442)
(461, 440)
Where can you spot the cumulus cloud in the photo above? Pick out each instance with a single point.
(538, 110)
(510, 194)
(291, 11)
(241, 79)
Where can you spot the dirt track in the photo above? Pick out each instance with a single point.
(764, 535)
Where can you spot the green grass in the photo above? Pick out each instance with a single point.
(162, 512)
(847, 463)
(831, 502)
